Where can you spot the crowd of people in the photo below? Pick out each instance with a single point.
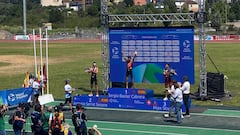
(52, 121)
(46, 120)
(179, 93)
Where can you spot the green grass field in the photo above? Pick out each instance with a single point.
(68, 60)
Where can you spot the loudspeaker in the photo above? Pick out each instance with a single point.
(215, 85)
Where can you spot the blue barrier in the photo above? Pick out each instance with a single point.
(13, 97)
(93, 101)
(125, 98)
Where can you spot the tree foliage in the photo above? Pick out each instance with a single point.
(11, 13)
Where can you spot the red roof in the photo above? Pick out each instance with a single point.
(139, 2)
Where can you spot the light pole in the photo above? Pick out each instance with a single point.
(24, 18)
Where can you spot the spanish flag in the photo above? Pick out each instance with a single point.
(26, 80)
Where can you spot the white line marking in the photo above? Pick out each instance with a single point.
(216, 115)
(224, 110)
(170, 126)
(141, 131)
(160, 112)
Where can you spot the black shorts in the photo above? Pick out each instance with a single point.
(129, 73)
(93, 80)
(68, 100)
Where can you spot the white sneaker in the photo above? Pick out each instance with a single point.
(165, 99)
(182, 117)
(97, 95)
(90, 95)
(166, 115)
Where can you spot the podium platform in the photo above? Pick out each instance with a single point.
(140, 99)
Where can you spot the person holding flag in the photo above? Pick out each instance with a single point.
(26, 81)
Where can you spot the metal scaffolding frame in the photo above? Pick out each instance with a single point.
(202, 50)
(168, 17)
(107, 19)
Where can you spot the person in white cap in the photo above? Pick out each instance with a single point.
(94, 130)
(68, 93)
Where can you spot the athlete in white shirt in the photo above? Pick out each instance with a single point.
(186, 91)
(172, 100)
(36, 90)
(68, 93)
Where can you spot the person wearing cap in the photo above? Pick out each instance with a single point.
(79, 119)
(67, 129)
(19, 120)
(68, 93)
(93, 80)
(94, 130)
(58, 114)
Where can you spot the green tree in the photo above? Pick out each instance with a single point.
(218, 14)
(172, 8)
(56, 16)
(234, 12)
(217, 21)
(129, 3)
(93, 11)
(166, 10)
(185, 8)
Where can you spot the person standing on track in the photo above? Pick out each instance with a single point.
(178, 96)
(186, 92)
(68, 93)
(79, 119)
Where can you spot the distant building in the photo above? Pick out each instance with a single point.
(139, 2)
(46, 3)
(192, 5)
(76, 5)
(117, 1)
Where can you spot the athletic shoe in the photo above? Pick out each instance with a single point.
(165, 99)
(90, 95)
(166, 115)
(187, 116)
(97, 95)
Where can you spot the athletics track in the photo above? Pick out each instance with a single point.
(140, 122)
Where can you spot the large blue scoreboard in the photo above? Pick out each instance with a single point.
(155, 47)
